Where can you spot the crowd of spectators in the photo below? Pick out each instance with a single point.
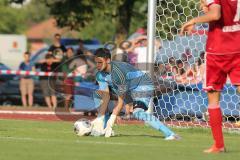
(58, 59)
(182, 70)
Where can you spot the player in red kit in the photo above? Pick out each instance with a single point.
(222, 57)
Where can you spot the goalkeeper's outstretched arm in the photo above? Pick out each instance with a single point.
(114, 115)
(102, 101)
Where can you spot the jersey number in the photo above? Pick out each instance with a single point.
(237, 16)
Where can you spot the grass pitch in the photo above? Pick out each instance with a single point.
(21, 140)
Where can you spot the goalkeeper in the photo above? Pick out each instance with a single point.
(132, 86)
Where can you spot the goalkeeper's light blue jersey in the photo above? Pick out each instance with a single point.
(123, 78)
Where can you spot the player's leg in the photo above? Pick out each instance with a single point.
(149, 119)
(142, 97)
(128, 111)
(215, 121)
(215, 80)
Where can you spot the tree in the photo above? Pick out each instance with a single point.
(38, 11)
(15, 20)
(12, 19)
(79, 14)
(122, 15)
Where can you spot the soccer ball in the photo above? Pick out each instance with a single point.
(82, 127)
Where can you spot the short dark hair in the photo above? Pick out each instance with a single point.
(27, 53)
(57, 35)
(103, 53)
(48, 56)
(179, 61)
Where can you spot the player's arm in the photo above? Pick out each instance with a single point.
(112, 119)
(117, 109)
(213, 14)
(105, 96)
(101, 102)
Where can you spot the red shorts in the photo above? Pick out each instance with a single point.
(219, 68)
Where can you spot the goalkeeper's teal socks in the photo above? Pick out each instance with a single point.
(151, 120)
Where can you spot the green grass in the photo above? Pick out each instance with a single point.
(21, 140)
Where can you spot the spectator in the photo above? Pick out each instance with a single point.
(172, 61)
(141, 51)
(202, 56)
(180, 78)
(180, 67)
(26, 82)
(68, 83)
(160, 69)
(122, 52)
(174, 71)
(88, 56)
(186, 59)
(57, 49)
(168, 68)
(80, 66)
(48, 84)
(81, 45)
(201, 67)
(91, 68)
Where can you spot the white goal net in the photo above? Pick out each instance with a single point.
(179, 69)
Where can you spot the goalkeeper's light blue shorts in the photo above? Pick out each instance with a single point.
(141, 97)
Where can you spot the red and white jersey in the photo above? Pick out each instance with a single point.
(224, 34)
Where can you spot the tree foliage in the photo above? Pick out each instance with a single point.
(36, 11)
(16, 20)
(105, 18)
(81, 14)
(12, 19)
(123, 14)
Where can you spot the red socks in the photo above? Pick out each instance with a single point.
(215, 120)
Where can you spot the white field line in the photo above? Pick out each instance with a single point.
(94, 142)
(65, 141)
(40, 112)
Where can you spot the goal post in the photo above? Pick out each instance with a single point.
(178, 67)
(151, 30)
